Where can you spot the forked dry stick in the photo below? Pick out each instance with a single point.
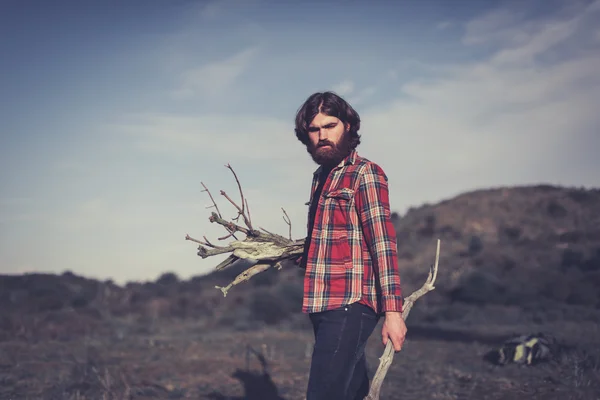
(216, 207)
(385, 361)
(288, 221)
(242, 209)
(259, 246)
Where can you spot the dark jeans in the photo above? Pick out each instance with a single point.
(339, 369)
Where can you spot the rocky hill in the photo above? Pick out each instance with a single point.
(525, 246)
(510, 245)
(513, 260)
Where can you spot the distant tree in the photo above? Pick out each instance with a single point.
(168, 278)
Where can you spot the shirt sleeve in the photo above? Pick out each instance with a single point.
(372, 202)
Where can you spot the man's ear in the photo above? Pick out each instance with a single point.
(347, 126)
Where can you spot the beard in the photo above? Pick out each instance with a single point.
(332, 155)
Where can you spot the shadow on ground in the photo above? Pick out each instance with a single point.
(257, 385)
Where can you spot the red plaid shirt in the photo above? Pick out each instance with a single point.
(352, 255)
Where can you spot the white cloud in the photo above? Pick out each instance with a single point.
(363, 95)
(220, 9)
(490, 123)
(273, 166)
(212, 9)
(214, 78)
(344, 88)
(497, 25)
(217, 136)
(445, 25)
(537, 43)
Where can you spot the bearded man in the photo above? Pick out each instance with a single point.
(350, 256)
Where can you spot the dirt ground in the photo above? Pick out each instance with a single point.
(128, 358)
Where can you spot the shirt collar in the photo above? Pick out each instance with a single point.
(349, 160)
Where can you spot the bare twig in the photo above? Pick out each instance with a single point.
(209, 244)
(230, 225)
(388, 354)
(231, 233)
(204, 243)
(248, 211)
(241, 210)
(288, 221)
(226, 236)
(211, 198)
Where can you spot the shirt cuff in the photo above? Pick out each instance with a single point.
(391, 303)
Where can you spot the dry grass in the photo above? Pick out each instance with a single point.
(175, 359)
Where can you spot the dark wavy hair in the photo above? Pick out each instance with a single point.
(330, 104)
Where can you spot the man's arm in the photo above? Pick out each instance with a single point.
(372, 202)
(374, 209)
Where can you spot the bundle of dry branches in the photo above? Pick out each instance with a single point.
(271, 250)
(267, 248)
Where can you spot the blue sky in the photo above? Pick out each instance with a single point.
(112, 113)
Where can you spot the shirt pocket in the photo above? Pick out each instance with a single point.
(341, 255)
(338, 203)
(342, 194)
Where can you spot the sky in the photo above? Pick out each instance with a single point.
(113, 114)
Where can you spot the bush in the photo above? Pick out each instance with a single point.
(592, 263)
(557, 289)
(265, 278)
(571, 258)
(238, 319)
(512, 233)
(475, 245)
(555, 210)
(428, 228)
(290, 294)
(581, 196)
(268, 308)
(481, 288)
(168, 278)
(585, 293)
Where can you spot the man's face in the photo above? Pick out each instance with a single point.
(328, 142)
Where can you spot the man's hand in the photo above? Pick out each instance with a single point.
(393, 329)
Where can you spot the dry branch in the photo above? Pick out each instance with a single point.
(288, 221)
(388, 354)
(242, 210)
(262, 247)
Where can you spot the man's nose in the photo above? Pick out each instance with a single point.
(322, 134)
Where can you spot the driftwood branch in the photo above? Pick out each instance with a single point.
(263, 248)
(385, 361)
(244, 276)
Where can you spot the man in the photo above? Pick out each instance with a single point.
(351, 268)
